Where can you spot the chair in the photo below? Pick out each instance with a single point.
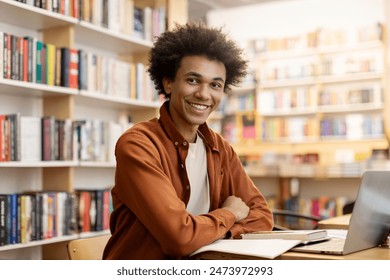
(348, 208)
(286, 220)
(87, 248)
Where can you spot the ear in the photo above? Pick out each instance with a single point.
(167, 85)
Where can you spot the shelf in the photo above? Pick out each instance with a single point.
(320, 79)
(320, 50)
(312, 171)
(100, 37)
(326, 146)
(8, 86)
(302, 176)
(32, 17)
(287, 83)
(39, 242)
(242, 89)
(351, 48)
(39, 164)
(86, 33)
(346, 138)
(97, 164)
(93, 233)
(53, 240)
(120, 102)
(290, 113)
(326, 109)
(350, 108)
(287, 54)
(347, 78)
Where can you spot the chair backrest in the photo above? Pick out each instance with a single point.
(287, 220)
(87, 248)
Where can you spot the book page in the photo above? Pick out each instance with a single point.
(268, 249)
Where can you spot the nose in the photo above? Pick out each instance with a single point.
(203, 92)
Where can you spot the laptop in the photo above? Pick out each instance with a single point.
(370, 221)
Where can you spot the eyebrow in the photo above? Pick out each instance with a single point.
(196, 74)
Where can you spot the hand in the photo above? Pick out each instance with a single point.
(238, 207)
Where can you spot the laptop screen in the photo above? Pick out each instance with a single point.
(370, 221)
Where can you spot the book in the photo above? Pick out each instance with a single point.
(13, 206)
(2, 55)
(305, 236)
(65, 62)
(73, 68)
(3, 224)
(30, 139)
(50, 64)
(268, 249)
(47, 132)
(38, 63)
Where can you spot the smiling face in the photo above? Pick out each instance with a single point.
(195, 92)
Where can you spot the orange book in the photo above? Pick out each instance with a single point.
(74, 69)
(84, 207)
(106, 209)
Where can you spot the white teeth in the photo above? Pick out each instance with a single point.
(198, 106)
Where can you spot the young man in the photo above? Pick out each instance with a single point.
(179, 185)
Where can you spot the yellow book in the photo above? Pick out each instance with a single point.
(51, 65)
(133, 81)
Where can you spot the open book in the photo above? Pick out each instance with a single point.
(305, 236)
(268, 249)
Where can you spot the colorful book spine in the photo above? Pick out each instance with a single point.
(38, 63)
(3, 218)
(73, 69)
(50, 65)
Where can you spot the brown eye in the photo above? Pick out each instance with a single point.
(192, 81)
(216, 85)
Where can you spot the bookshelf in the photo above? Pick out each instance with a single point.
(239, 123)
(106, 41)
(329, 93)
(321, 115)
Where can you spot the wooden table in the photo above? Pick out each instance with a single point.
(377, 253)
(339, 222)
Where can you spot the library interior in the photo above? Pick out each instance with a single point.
(310, 117)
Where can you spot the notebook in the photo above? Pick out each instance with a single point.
(305, 236)
(370, 221)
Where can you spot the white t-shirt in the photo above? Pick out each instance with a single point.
(196, 164)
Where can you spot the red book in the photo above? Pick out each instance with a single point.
(84, 207)
(74, 69)
(48, 124)
(2, 137)
(25, 59)
(106, 209)
(75, 8)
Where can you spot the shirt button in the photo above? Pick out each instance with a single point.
(184, 143)
(182, 165)
(187, 187)
(176, 143)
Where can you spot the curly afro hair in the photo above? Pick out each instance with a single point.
(194, 39)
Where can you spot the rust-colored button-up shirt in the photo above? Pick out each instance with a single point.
(149, 220)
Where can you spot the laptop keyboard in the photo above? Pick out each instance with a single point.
(334, 244)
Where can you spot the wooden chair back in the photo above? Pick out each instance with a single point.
(87, 248)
